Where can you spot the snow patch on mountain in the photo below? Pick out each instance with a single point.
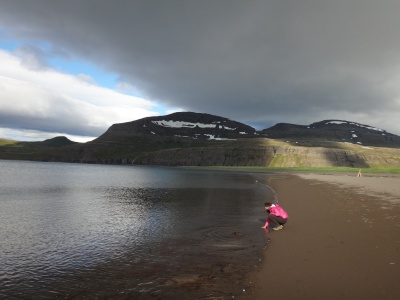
(212, 137)
(181, 124)
(355, 124)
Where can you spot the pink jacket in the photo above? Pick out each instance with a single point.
(278, 211)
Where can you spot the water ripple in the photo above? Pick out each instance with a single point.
(67, 226)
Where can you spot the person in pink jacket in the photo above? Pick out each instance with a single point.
(276, 215)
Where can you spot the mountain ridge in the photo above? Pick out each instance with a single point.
(188, 138)
(335, 130)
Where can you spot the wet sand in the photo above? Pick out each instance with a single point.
(342, 240)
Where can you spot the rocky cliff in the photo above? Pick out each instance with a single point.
(272, 156)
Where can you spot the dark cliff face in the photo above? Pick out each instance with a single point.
(258, 156)
(335, 130)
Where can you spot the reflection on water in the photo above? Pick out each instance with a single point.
(83, 231)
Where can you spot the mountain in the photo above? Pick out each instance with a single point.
(196, 139)
(58, 141)
(180, 124)
(10, 149)
(126, 142)
(333, 130)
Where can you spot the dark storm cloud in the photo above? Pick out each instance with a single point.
(253, 61)
(32, 57)
(72, 127)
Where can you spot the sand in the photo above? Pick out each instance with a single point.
(342, 240)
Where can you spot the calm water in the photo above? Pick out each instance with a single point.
(73, 231)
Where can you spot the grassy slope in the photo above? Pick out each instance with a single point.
(4, 142)
(10, 149)
(388, 154)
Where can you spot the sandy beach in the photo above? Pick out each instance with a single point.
(342, 239)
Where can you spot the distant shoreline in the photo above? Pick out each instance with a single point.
(319, 170)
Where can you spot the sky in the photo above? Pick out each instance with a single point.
(76, 67)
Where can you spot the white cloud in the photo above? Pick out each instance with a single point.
(171, 111)
(50, 101)
(86, 78)
(33, 135)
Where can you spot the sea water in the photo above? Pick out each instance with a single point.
(100, 231)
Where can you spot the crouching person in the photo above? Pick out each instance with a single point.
(277, 216)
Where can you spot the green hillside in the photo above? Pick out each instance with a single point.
(10, 149)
